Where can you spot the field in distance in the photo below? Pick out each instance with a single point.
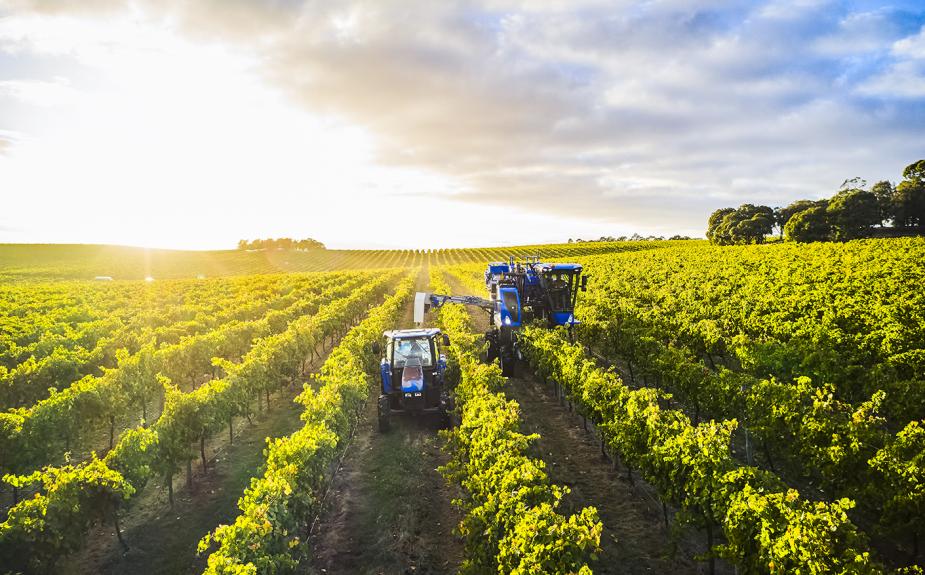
(44, 262)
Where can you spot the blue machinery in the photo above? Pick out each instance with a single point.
(412, 369)
(518, 293)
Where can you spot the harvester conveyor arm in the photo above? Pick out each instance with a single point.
(424, 301)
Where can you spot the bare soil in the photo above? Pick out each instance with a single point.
(389, 510)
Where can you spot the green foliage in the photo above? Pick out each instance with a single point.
(852, 212)
(748, 224)
(269, 535)
(767, 529)
(815, 350)
(779, 533)
(281, 244)
(168, 444)
(133, 456)
(901, 466)
(713, 224)
(885, 193)
(511, 522)
(909, 203)
(42, 530)
(783, 215)
(51, 426)
(44, 262)
(809, 225)
(915, 172)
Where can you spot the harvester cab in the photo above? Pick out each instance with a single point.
(519, 292)
(412, 370)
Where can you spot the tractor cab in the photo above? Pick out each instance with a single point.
(560, 283)
(412, 370)
(524, 291)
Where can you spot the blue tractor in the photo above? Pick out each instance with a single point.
(412, 370)
(519, 292)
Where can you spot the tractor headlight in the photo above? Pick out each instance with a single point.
(507, 321)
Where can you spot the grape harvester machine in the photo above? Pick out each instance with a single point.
(519, 292)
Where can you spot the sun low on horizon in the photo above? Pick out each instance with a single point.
(132, 134)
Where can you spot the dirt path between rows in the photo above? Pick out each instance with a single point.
(388, 510)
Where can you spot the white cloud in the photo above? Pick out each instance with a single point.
(38, 93)
(912, 47)
(905, 76)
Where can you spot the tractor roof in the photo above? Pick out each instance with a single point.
(559, 267)
(501, 267)
(403, 333)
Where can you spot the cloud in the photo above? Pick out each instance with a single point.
(37, 93)
(912, 47)
(905, 76)
(558, 111)
(648, 114)
(8, 139)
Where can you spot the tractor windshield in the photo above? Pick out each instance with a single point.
(560, 286)
(418, 347)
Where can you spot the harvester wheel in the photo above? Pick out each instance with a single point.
(507, 364)
(449, 414)
(384, 412)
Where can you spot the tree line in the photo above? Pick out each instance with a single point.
(632, 238)
(280, 244)
(853, 212)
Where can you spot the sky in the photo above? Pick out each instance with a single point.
(423, 124)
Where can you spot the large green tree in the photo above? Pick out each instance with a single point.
(810, 225)
(852, 213)
(909, 202)
(886, 199)
(716, 218)
(748, 224)
(783, 215)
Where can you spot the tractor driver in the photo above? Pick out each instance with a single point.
(558, 290)
(558, 282)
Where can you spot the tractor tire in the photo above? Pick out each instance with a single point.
(507, 364)
(491, 350)
(448, 413)
(384, 412)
